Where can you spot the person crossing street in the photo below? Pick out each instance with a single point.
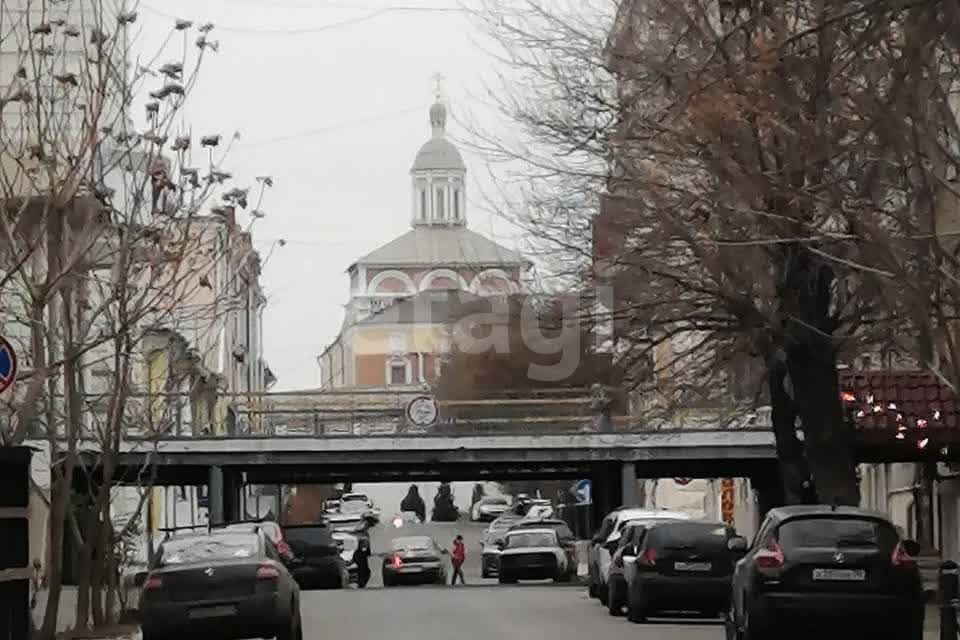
(457, 556)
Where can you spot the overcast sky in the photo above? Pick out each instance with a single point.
(331, 99)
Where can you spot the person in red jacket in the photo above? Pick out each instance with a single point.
(457, 556)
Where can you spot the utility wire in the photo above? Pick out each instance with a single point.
(335, 127)
(318, 28)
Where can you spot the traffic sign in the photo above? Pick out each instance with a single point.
(582, 491)
(8, 365)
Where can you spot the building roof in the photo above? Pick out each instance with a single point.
(426, 307)
(440, 154)
(891, 399)
(442, 247)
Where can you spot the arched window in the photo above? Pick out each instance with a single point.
(423, 204)
(456, 204)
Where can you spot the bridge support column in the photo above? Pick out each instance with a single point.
(232, 489)
(607, 487)
(770, 493)
(215, 494)
(628, 484)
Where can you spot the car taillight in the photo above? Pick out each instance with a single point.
(284, 549)
(152, 582)
(267, 572)
(770, 557)
(901, 559)
(648, 558)
(397, 562)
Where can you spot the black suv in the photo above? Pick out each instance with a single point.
(827, 570)
(680, 566)
(316, 557)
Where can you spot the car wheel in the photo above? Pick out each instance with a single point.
(614, 598)
(636, 606)
(751, 629)
(291, 630)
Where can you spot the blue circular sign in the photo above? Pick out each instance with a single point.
(8, 365)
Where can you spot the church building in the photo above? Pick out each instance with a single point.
(404, 295)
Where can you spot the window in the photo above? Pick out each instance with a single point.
(398, 372)
(423, 204)
(456, 204)
(441, 211)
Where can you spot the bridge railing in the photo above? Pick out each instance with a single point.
(384, 413)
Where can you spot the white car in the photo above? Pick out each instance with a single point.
(533, 554)
(605, 542)
(489, 508)
(539, 511)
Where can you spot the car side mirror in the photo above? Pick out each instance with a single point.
(912, 547)
(737, 544)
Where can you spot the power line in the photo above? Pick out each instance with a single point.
(335, 127)
(318, 28)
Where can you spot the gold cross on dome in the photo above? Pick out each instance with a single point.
(438, 79)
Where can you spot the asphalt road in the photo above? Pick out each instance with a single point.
(525, 611)
(481, 610)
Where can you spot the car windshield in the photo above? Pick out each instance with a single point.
(531, 539)
(704, 536)
(836, 532)
(195, 549)
(412, 543)
(355, 497)
(494, 501)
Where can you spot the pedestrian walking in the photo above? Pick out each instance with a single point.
(457, 556)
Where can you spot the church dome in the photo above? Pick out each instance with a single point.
(438, 152)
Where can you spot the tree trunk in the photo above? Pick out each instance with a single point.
(828, 437)
(794, 471)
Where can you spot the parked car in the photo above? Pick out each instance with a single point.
(489, 508)
(827, 569)
(605, 542)
(272, 530)
(414, 560)
(317, 561)
(227, 584)
(491, 541)
(348, 522)
(679, 566)
(538, 509)
(534, 554)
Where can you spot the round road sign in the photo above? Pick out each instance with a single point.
(8, 365)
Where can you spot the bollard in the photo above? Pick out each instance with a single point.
(948, 579)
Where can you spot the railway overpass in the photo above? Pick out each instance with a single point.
(330, 437)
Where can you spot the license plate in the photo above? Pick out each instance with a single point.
(840, 575)
(411, 569)
(692, 566)
(213, 612)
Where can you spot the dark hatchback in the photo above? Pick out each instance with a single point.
(414, 560)
(828, 570)
(681, 566)
(224, 586)
(317, 557)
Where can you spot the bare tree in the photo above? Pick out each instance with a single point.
(740, 145)
(105, 248)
